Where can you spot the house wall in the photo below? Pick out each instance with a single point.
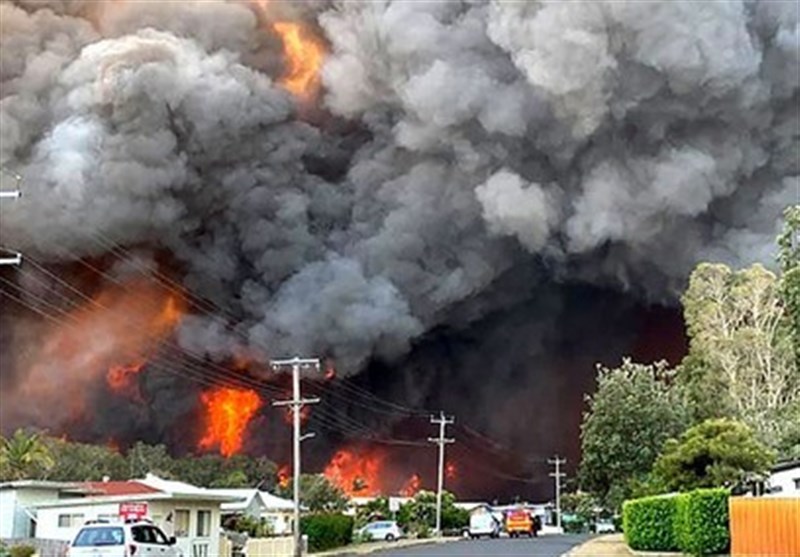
(159, 511)
(785, 480)
(14, 521)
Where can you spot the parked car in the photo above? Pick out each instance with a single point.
(107, 539)
(483, 523)
(383, 530)
(604, 526)
(519, 523)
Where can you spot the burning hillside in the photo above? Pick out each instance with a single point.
(464, 205)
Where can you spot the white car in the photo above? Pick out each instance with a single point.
(603, 526)
(135, 539)
(384, 530)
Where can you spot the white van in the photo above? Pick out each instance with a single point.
(483, 523)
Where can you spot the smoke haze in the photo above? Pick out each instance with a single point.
(465, 168)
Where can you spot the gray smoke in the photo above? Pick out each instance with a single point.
(614, 143)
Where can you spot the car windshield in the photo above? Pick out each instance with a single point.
(92, 537)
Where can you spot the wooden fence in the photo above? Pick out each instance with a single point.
(765, 526)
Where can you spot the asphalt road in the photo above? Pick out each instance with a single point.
(544, 546)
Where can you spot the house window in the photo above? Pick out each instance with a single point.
(797, 483)
(69, 520)
(203, 524)
(181, 523)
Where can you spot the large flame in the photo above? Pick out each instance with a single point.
(228, 413)
(304, 55)
(121, 326)
(358, 474)
(412, 486)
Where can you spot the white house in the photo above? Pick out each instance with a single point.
(784, 480)
(189, 513)
(18, 502)
(278, 512)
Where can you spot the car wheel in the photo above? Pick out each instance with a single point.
(389, 537)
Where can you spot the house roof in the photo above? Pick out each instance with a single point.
(783, 466)
(36, 484)
(131, 487)
(245, 496)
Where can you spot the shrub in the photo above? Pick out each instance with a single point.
(704, 525)
(648, 523)
(22, 551)
(327, 530)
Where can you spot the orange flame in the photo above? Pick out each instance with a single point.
(412, 486)
(121, 379)
(121, 325)
(450, 471)
(358, 475)
(304, 54)
(283, 476)
(228, 412)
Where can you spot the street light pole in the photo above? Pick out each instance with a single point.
(296, 404)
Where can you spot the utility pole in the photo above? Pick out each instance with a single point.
(558, 474)
(442, 422)
(16, 258)
(297, 403)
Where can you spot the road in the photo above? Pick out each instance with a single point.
(544, 546)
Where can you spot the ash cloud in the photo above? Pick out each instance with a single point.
(613, 143)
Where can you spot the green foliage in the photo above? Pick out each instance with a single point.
(580, 504)
(84, 462)
(24, 455)
(715, 453)
(648, 523)
(21, 551)
(317, 494)
(252, 526)
(789, 259)
(377, 509)
(695, 523)
(634, 411)
(741, 356)
(327, 530)
(703, 527)
(418, 516)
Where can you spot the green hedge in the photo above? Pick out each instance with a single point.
(327, 530)
(694, 522)
(704, 528)
(647, 523)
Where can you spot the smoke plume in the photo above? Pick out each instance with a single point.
(450, 147)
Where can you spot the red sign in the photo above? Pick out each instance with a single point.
(132, 511)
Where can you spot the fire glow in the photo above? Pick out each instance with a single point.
(357, 473)
(304, 55)
(228, 413)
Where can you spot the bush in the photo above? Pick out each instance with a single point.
(22, 551)
(704, 526)
(327, 530)
(648, 523)
(694, 522)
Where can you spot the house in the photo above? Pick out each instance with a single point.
(191, 514)
(784, 480)
(18, 500)
(261, 505)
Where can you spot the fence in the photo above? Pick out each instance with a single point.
(765, 526)
(270, 547)
(44, 548)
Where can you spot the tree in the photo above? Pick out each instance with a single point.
(24, 456)
(789, 260)
(634, 411)
(317, 494)
(716, 453)
(741, 358)
(419, 514)
(84, 462)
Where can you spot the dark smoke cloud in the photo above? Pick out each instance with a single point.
(613, 144)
